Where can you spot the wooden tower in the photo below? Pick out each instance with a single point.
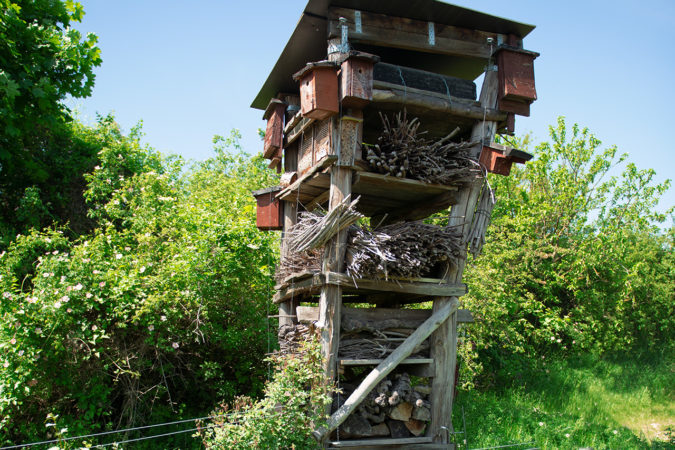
(346, 65)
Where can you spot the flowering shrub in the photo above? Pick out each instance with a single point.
(153, 315)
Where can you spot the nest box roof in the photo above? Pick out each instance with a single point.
(308, 41)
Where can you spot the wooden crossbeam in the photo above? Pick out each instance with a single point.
(387, 31)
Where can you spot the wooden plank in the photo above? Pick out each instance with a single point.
(375, 441)
(420, 209)
(385, 367)
(324, 162)
(375, 362)
(387, 93)
(409, 34)
(425, 81)
(416, 317)
(430, 289)
(304, 287)
(377, 184)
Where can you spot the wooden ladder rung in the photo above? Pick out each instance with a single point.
(380, 441)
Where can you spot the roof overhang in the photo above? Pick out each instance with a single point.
(308, 41)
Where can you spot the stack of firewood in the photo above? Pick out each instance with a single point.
(403, 151)
(295, 262)
(394, 408)
(408, 250)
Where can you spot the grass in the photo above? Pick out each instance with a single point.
(604, 403)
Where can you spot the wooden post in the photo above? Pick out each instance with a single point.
(287, 308)
(444, 340)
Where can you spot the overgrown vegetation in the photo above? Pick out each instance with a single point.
(294, 405)
(575, 261)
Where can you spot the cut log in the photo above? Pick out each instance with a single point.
(416, 427)
(423, 414)
(402, 412)
(380, 430)
(397, 429)
(356, 426)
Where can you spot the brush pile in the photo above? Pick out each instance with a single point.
(407, 250)
(293, 263)
(402, 151)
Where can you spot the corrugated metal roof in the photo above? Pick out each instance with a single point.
(308, 41)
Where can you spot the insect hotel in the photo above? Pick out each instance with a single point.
(376, 126)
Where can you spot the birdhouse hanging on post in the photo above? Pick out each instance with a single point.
(356, 79)
(516, 79)
(269, 211)
(274, 114)
(497, 158)
(318, 90)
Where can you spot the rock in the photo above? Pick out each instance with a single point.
(416, 427)
(423, 414)
(401, 412)
(398, 429)
(356, 426)
(380, 430)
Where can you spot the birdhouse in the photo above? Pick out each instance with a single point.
(318, 90)
(498, 158)
(274, 132)
(516, 79)
(269, 211)
(356, 79)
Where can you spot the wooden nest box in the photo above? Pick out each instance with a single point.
(352, 75)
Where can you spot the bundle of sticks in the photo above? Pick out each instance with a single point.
(408, 250)
(314, 230)
(296, 262)
(481, 220)
(403, 152)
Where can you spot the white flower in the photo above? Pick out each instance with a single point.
(63, 278)
(32, 299)
(614, 431)
(94, 328)
(97, 167)
(6, 295)
(69, 310)
(78, 287)
(65, 299)
(101, 284)
(5, 364)
(57, 305)
(45, 275)
(95, 272)
(48, 240)
(86, 260)
(559, 341)
(20, 353)
(55, 252)
(541, 424)
(116, 202)
(89, 295)
(567, 435)
(552, 338)
(151, 327)
(127, 249)
(163, 318)
(38, 330)
(142, 269)
(118, 256)
(12, 341)
(175, 345)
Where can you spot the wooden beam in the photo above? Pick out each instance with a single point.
(295, 127)
(324, 162)
(416, 317)
(385, 367)
(403, 287)
(374, 362)
(444, 340)
(363, 443)
(432, 101)
(409, 34)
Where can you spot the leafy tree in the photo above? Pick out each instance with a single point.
(42, 61)
(575, 258)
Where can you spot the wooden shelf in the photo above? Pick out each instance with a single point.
(380, 194)
(415, 317)
(367, 443)
(375, 362)
(306, 284)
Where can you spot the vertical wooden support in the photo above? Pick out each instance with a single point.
(349, 130)
(444, 339)
(287, 309)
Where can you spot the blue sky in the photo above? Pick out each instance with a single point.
(190, 70)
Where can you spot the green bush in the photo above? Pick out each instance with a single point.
(294, 405)
(154, 314)
(574, 261)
